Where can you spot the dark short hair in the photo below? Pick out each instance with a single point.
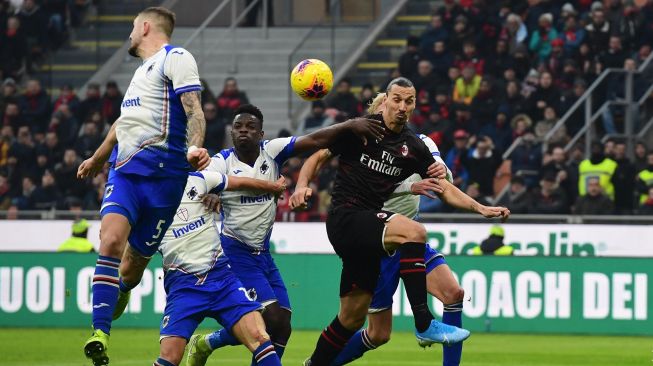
(166, 17)
(249, 109)
(400, 81)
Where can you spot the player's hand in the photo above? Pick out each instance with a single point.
(199, 159)
(437, 170)
(425, 186)
(367, 129)
(299, 199)
(490, 212)
(89, 168)
(211, 202)
(280, 185)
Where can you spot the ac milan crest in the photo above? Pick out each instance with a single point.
(382, 215)
(404, 150)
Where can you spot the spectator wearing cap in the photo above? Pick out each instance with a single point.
(549, 198)
(540, 42)
(436, 32)
(499, 131)
(598, 30)
(567, 11)
(595, 202)
(514, 32)
(47, 196)
(556, 59)
(78, 242)
(344, 100)
(482, 163)
(455, 159)
(410, 58)
(13, 49)
(467, 86)
(573, 35)
(494, 245)
(35, 106)
(92, 103)
(317, 118)
(111, 101)
(441, 59)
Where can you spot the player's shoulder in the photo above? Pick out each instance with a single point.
(176, 50)
(224, 153)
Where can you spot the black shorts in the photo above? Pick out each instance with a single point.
(357, 237)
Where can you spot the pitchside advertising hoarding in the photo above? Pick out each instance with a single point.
(503, 294)
(450, 239)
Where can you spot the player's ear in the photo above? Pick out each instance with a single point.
(146, 27)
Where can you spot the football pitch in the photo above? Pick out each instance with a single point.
(62, 347)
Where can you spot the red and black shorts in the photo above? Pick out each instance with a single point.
(357, 237)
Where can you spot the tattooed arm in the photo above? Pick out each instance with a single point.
(196, 128)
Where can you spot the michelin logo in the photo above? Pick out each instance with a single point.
(188, 228)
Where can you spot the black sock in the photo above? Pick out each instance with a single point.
(413, 272)
(332, 340)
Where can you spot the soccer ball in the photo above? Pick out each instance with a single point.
(311, 79)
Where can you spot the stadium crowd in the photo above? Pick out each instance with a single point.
(486, 73)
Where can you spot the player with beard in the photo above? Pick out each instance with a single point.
(153, 144)
(361, 232)
(247, 217)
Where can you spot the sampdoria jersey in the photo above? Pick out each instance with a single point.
(152, 127)
(408, 205)
(191, 246)
(368, 174)
(248, 216)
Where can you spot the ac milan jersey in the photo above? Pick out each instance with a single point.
(368, 174)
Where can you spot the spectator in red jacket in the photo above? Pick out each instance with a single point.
(230, 99)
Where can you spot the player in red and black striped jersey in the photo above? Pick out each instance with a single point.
(361, 232)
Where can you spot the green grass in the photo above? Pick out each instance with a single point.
(63, 347)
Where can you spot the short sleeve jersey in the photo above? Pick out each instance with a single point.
(152, 128)
(248, 216)
(368, 174)
(191, 246)
(408, 205)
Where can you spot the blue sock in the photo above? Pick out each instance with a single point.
(357, 345)
(453, 315)
(125, 287)
(279, 348)
(265, 355)
(221, 338)
(105, 292)
(162, 362)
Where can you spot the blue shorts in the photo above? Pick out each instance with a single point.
(223, 299)
(257, 271)
(389, 278)
(149, 203)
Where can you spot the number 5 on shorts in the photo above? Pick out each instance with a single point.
(156, 236)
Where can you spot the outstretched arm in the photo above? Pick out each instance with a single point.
(242, 183)
(456, 198)
(365, 129)
(309, 170)
(91, 166)
(197, 156)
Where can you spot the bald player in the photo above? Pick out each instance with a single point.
(152, 146)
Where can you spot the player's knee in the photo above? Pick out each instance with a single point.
(352, 321)
(416, 233)
(111, 245)
(379, 337)
(453, 295)
(277, 321)
(171, 354)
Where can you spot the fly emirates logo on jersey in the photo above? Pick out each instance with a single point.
(383, 166)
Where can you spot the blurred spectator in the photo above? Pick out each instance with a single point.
(526, 159)
(518, 199)
(546, 95)
(436, 32)
(22, 156)
(425, 81)
(409, 59)
(344, 100)
(5, 191)
(598, 30)
(520, 124)
(514, 32)
(641, 162)
(66, 176)
(541, 39)
(317, 118)
(646, 208)
(47, 196)
(645, 179)
(13, 49)
(494, 245)
(441, 59)
(499, 61)
(555, 61)
(623, 180)
(438, 129)
(628, 25)
(6, 141)
(64, 124)
(462, 32)
(24, 200)
(52, 148)
(35, 107)
(78, 242)
(577, 120)
(484, 104)
(215, 128)
(594, 202)
(92, 102)
(572, 35)
(366, 96)
(111, 101)
(482, 163)
(544, 126)
(499, 131)
(616, 91)
(469, 57)
(12, 117)
(449, 12)
(89, 141)
(467, 86)
(555, 163)
(597, 166)
(67, 96)
(9, 93)
(93, 199)
(513, 102)
(614, 56)
(207, 94)
(474, 191)
(230, 99)
(549, 198)
(35, 23)
(56, 12)
(77, 11)
(455, 156)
